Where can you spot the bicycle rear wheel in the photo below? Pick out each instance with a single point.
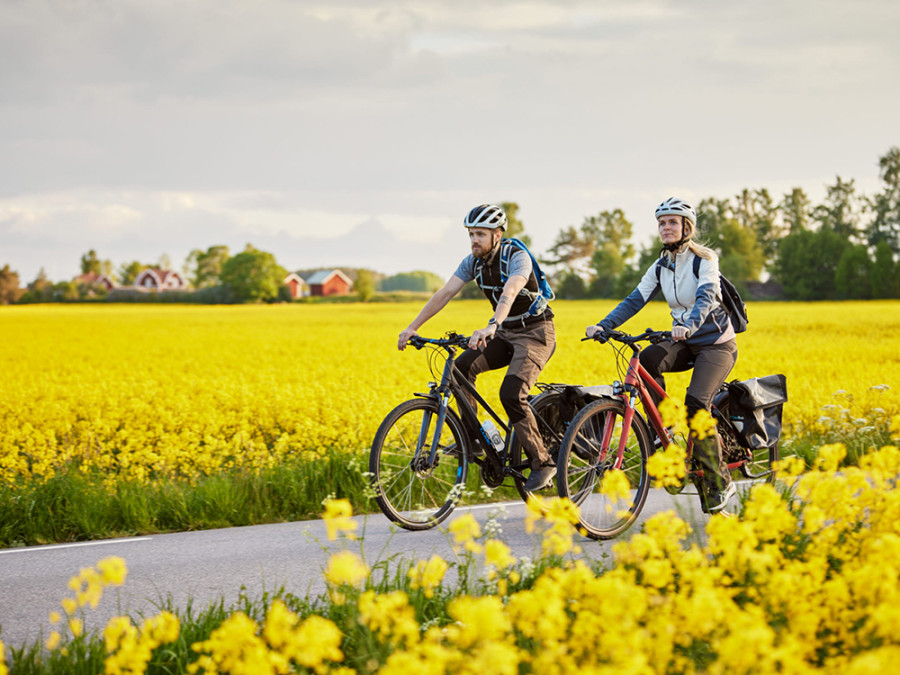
(756, 464)
(589, 451)
(552, 425)
(411, 493)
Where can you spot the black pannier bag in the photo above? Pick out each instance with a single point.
(755, 408)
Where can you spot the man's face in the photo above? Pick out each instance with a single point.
(482, 240)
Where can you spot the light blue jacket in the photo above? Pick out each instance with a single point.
(695, 302)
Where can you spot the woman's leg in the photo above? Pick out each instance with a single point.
(665, 357)
(711, 367)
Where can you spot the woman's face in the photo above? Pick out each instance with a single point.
(670, 229)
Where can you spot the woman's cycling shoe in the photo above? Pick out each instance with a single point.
(716, 500)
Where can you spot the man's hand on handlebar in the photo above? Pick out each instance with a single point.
(481, 336)
(405, 336)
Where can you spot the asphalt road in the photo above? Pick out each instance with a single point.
(213, 564)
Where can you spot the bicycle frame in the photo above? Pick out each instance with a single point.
(454, 384)
(638, 384)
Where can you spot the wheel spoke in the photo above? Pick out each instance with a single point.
(590, 452)
(410, 492)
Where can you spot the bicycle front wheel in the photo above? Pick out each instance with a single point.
(589, 455)
(411, 490)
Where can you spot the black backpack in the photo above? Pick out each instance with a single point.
(731, 299)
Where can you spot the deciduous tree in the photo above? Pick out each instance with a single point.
(253, 275)
(885, 225)
(9, 286)
(205, 267)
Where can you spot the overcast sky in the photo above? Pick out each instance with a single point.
(341, 132)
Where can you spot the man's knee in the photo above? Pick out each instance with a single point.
(466, 365)
(514, 397)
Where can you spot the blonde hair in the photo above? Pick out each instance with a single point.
(694, 247)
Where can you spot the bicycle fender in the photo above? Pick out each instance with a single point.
(595, 392)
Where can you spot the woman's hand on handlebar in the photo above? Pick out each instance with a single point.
(680, 333)
(591, 330)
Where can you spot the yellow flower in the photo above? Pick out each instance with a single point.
(480, 620)
(69, 605)
(428, 574)
(76, 626)
(55, 617)
(498, 554)
(616, 487)
(162, 628)
(53, 640)
(337, 518)
(113, 571)
(789, 467)
(703, 424)
(830, 457)
(390, 616)
(345, 567)
(674, 416)
(465, 530)
(668, 467)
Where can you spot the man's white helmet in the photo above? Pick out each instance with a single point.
(676, 207)
(488, 216)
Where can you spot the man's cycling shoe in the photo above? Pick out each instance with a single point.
(717, 500)
(540, 478)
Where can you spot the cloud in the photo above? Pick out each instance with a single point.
(300, 121)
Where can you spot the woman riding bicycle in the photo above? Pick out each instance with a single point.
(703, 338)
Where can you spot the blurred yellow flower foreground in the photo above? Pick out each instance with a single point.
(805, 580)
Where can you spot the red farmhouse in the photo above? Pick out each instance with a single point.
(329, 282)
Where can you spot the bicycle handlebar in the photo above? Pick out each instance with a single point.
(649, 335)
(451, 340)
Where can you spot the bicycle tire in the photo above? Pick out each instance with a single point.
(418, 499)
(761, 462)
(546, 406)
(583, 464)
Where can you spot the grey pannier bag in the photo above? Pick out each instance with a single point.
(755, 408)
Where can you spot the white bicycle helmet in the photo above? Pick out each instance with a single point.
(486, 215)
(677, 207)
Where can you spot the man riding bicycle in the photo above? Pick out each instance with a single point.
(513, 336)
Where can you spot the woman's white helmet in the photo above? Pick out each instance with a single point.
(677, 207)
(486, 215)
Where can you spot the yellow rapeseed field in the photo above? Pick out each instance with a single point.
(139, 391)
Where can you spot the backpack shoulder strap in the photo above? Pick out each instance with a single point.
(696, 266)
(505, 254)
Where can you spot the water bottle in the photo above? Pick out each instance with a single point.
(493, 433)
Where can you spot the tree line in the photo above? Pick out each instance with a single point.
(846, 247)
(214, 276)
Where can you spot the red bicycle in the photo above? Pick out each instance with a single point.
(611, 434)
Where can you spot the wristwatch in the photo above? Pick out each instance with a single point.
(493, 322)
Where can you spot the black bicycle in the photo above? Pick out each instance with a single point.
(422, 451)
